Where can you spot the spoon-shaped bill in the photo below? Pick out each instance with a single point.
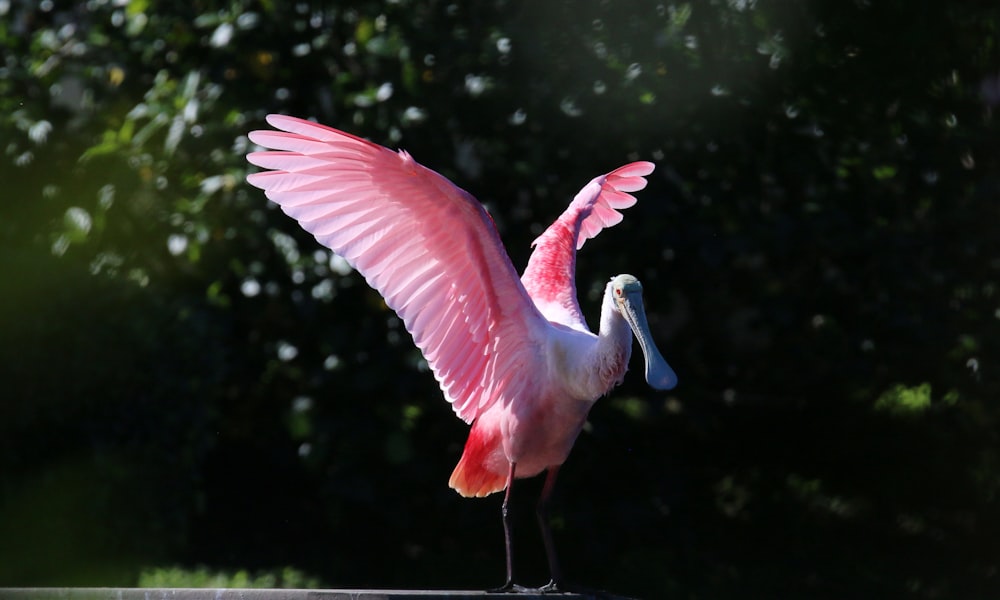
(659, 375)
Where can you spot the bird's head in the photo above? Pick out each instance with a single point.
(626, 291)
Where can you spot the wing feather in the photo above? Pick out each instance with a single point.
(427, 246)
(550, 275)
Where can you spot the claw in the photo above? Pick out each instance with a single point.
(512, 588)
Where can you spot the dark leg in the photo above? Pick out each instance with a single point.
(542, 512)
(505, 513)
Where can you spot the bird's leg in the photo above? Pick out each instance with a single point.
(505, 514)
(542, 512)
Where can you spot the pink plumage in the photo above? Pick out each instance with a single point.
(512, 355)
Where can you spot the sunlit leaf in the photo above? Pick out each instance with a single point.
(903, 400)
(883, 172)
(135, 7)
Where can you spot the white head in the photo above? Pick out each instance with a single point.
(626, 291)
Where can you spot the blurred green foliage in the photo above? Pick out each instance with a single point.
(200, 577)
(193, 387)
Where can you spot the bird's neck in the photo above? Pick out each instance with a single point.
(614, 343)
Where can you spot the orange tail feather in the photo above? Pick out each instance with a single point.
(473, 476)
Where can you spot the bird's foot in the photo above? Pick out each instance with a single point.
(561, 587)
(511, 588)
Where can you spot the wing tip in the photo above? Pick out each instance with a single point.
(284, 122)
(639, 168)
(314, 130)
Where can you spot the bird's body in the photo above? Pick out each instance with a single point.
(538, 431)
(514, 356)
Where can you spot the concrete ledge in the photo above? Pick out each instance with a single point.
(269, 594)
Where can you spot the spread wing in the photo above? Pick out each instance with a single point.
(426, 245)
(550, 275)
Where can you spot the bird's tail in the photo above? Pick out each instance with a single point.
(473, 476)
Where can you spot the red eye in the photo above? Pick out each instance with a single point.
(619, 292)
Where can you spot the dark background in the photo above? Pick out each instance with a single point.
(192, 388)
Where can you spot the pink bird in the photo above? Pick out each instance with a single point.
(513, 356)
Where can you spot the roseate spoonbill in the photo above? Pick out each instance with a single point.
(514, 357)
